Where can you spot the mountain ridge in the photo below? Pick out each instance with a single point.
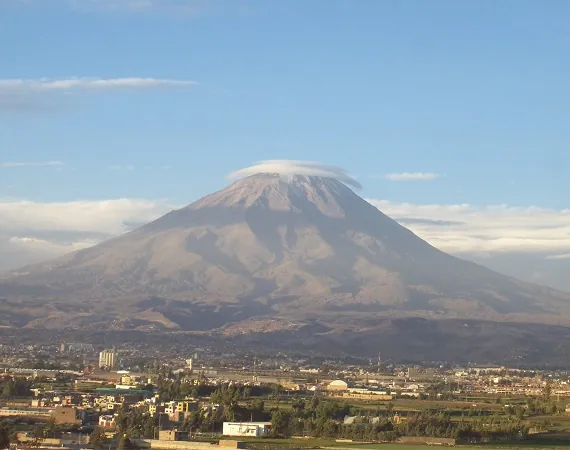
(268, 245)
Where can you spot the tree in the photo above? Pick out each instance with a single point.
(280, 423)
(98, 438)
(50, 427)
(7, 389)
(37, 436)
(122, 420)
(124, 443)
(4, 436)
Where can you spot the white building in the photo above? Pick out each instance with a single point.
(107, 421)
(107, 358)
(251, 429)
(337, 385)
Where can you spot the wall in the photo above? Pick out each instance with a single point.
(174, 445)
(426, 440)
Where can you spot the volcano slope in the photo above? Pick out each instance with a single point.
(268, 253)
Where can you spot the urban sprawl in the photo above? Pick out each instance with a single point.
(81, 395)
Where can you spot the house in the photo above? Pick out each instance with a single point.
(252, 429)
(107, 421)
(172, 435)
(66, 415)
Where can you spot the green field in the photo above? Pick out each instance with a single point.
(512, 445)
(271, 444)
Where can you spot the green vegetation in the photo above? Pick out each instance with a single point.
(124, 443)
(15, 388)
(136, 423)
(98, 438)
(4, 435)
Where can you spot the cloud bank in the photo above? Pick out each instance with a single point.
(484, 229)
(291, 167)
(7, 165)
(559, 256)
(529, 243)
(412, 176)
(140, 6)
(178, 7)
(32, 95)
(31, 232)
(87, 84)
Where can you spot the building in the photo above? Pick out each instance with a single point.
(107, 359)
(107, 421)
(186, 406)
(172, 435)
(77, 347)
(365, 394)
(25, 412)
(337, 385)
(251, 429)
(66, 415)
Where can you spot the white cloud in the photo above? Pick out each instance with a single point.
(6, 165)
(186, 6)
(33, 95)
(487, 229)
(8, 85)
(517, 241)
(412, 176)
(559, 256)
(290, 167)
(31, 232)
(127, 167)
(179, 7)
(50, 247)
(109, 217)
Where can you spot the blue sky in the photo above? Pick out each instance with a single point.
(474, 92)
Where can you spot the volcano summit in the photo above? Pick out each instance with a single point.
(294, 247)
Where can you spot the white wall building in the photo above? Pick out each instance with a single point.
(107, 358)
(252, 429)
(337, 385)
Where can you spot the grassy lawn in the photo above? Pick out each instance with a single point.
(301, 442)
(269, 444)
(513, 445)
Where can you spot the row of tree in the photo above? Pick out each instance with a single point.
(14, 388)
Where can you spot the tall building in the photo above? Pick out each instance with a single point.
(107, 358)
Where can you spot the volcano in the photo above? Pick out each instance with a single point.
(268, 251)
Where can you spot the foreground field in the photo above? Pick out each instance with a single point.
(271, 444)
(512, 445)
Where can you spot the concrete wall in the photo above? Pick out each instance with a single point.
(174, 445)
(231, 443)
(426, 440)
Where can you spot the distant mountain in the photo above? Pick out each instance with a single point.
(291, 249)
